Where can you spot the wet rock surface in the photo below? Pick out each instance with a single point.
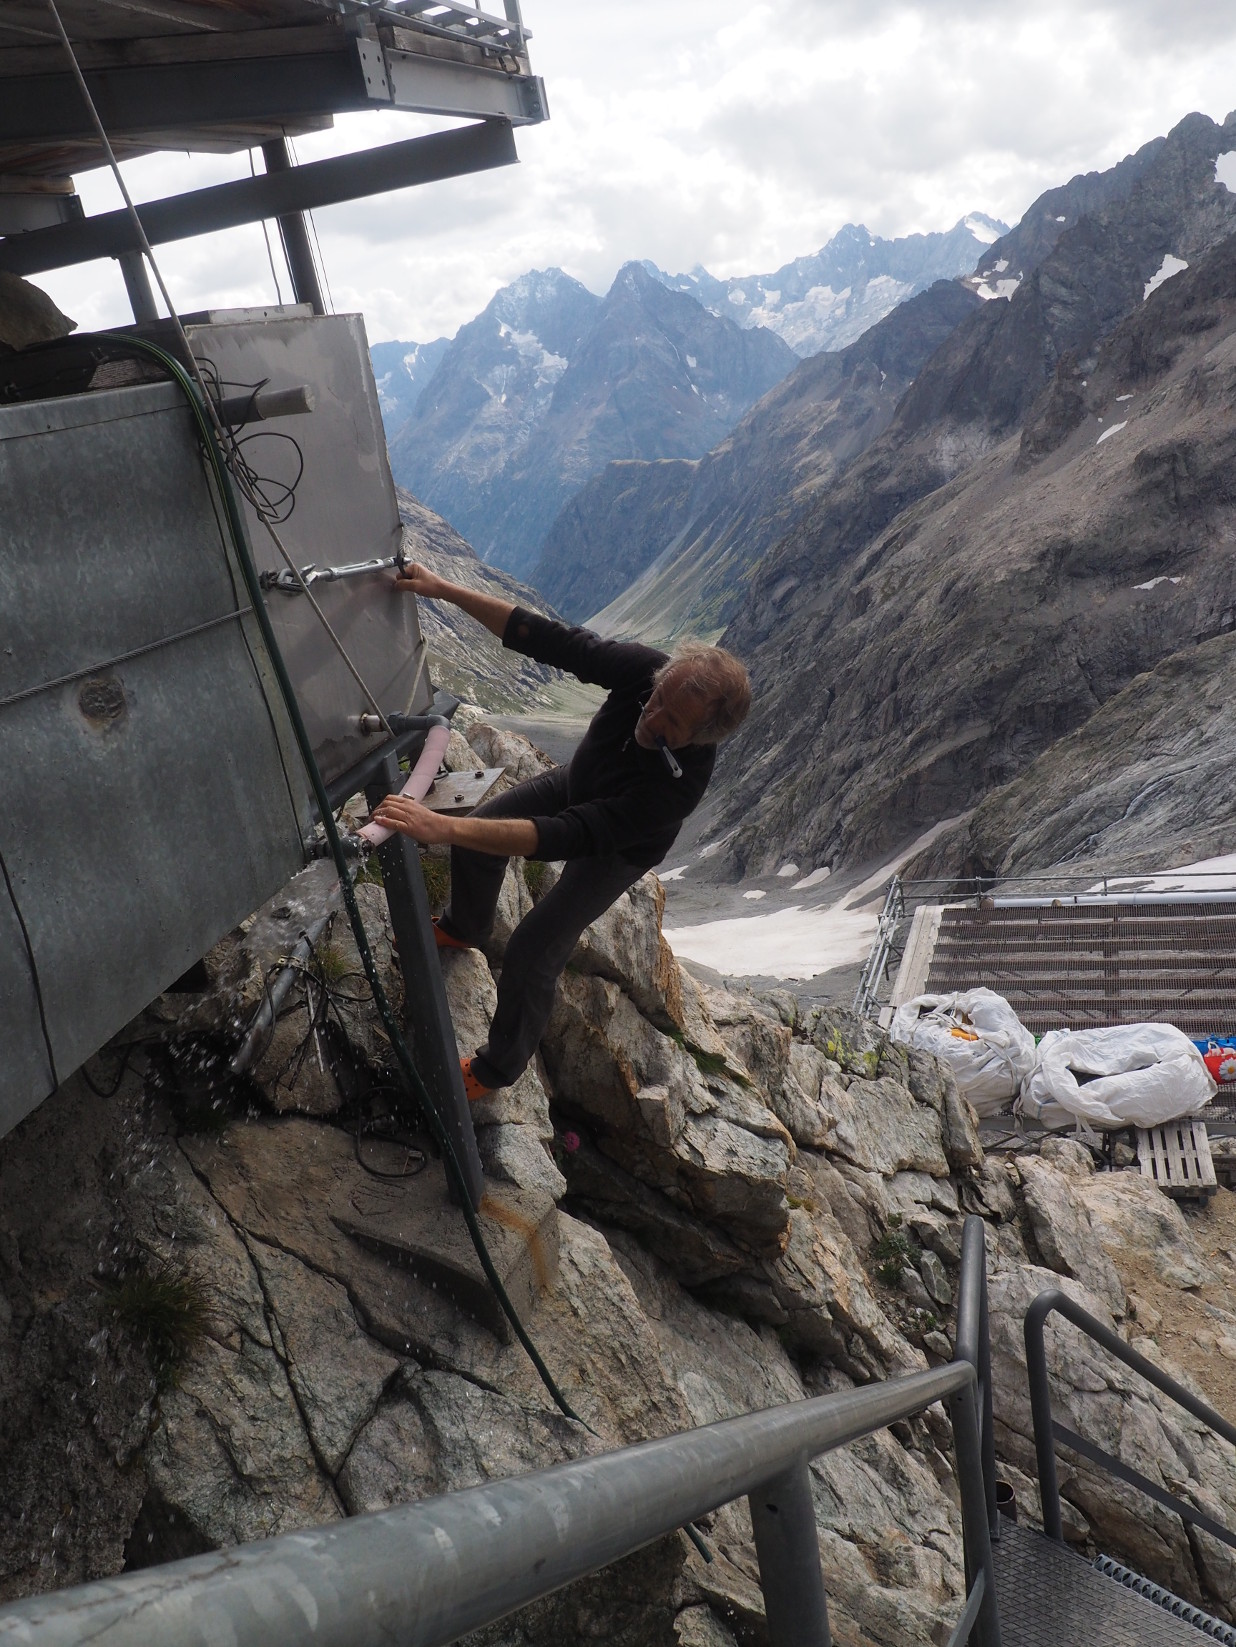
(726, 1204)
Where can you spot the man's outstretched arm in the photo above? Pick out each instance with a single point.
(491, 610)
(505, 837)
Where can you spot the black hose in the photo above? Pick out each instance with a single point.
(416, 1086)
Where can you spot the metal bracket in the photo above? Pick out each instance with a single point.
(372, 60)
(292, 583)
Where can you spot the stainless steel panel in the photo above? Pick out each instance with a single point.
(152, 797)
(345, 510)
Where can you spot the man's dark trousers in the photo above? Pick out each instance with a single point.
(541, 944)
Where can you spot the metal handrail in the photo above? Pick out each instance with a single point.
(973, 1344)
(873, 972)
(1047, 1431)
(425, 1574)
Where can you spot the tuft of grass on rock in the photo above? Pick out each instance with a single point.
(894, 1252)
(165, 1310)
(370, 872)
(330, 960)
(535, 875)
(713, 1064)
(436, 870)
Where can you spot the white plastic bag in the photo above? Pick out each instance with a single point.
(978, 1035)
(1142, 1075)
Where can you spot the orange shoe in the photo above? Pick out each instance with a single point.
(444, 940)
(473, 1089)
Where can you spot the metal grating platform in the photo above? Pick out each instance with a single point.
(1075, 966)
(1050, 1597)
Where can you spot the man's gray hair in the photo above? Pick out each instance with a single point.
(717, 679)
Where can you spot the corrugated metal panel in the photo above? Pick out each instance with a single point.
(151, 796)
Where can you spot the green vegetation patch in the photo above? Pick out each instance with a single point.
(896, 1250)
(165, 1310)
(436, 870)
(536, 873)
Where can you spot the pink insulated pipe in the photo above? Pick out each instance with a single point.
(419, 780)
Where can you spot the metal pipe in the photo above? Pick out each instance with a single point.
(294, 234)
(1040, 1412)
(407, 729)
(788, 1547)
(237, 410)
(292, 583)
(974, 1477)
(425, 1574)
(973, 1344)
(1053, 1301)
(264, 1018)
(979, 1561)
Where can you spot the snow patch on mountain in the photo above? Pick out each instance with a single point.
(1225, 170)
(1002, 288)
(986, 230)
(549, 367)
(1170, 266)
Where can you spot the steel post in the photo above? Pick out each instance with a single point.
(294, 234)
(1040, 1413)
(426, 1011)
(786, 1541)
(963, 1409)
(985, 1409)
(137, 284)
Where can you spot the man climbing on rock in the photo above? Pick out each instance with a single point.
(610, 815)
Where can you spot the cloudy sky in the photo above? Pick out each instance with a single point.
(733, 135)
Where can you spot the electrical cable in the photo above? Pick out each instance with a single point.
(34, 972)
(412, 1078)
(270, 256)
(213, 438)
(191, 359)
(318, 260)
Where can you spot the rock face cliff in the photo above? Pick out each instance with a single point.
(697, 534)
(464, 658)
(1003, 560)
(550, 384)
(202, 1340)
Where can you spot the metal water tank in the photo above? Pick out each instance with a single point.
(153, 795)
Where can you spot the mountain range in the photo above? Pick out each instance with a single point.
(549, 384)
(667, 549)
(500, 427)
(829, 299)
(401, 371)
(1046, 518)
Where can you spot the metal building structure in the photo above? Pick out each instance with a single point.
(152, 796)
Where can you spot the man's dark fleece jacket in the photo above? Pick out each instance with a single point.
(619, 798)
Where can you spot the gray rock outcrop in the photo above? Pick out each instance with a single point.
(725, 1205)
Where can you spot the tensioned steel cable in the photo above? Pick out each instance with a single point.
(148, 252)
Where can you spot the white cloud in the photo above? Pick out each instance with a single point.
(735, 135)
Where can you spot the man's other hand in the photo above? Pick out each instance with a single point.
(411, 818)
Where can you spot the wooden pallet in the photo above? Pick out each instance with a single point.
(1177, 1156)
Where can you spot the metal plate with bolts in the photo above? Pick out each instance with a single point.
(457, 793)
